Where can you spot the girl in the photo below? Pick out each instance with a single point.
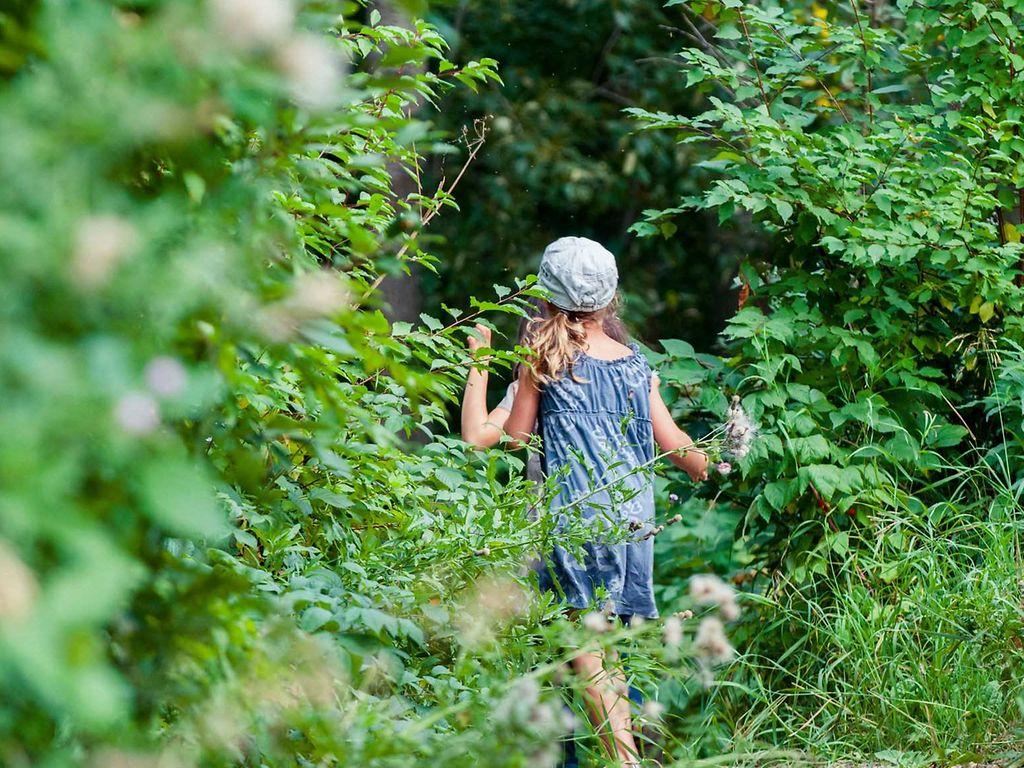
(484, 429)
(596, 405)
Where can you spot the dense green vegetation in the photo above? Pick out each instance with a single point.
(235, 525)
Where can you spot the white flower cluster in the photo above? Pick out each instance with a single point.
(708, 589)
(310, 65)
(740, 432)
(101, 242)
(544, 723)
(314, 294)
(711, 644)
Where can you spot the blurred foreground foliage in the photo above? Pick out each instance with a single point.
(229, 533)
(232, 529)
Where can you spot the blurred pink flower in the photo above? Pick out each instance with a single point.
(165, 376)
(137, 413)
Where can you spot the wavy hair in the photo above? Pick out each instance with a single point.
(556, 336)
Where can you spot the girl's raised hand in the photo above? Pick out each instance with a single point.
(482, 337)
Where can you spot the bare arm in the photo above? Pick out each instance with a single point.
(480, 428)
(523, 418)
(670, 438)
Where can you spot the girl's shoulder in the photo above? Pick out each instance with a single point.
(608, 350)
(631, 355)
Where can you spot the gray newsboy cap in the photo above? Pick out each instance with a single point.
(579, 274)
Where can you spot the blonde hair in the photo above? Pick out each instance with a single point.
(555, 340)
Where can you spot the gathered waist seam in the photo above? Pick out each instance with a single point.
(617, 414)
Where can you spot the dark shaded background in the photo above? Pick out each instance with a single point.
(562, 158)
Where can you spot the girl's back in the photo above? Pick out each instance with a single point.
(596, 431)
(597, 440)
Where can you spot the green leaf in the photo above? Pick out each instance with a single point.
(827, 479)
(180, 497)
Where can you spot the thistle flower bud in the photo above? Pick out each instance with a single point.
(653, 532)
(723, 467)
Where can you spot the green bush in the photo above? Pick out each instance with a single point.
(877, 146)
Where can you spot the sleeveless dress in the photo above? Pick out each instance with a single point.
(596, 434)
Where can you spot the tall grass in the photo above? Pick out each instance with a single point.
(910, 641)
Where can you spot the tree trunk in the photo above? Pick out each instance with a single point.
(403, 296)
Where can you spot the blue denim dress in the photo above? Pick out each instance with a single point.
(597, 438)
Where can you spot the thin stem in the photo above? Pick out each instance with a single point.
(753, 58)
(864, 43)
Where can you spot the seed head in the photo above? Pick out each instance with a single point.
(653, 710)
(672, 632)
(708, 589)
(711, 642)
(739, 430)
